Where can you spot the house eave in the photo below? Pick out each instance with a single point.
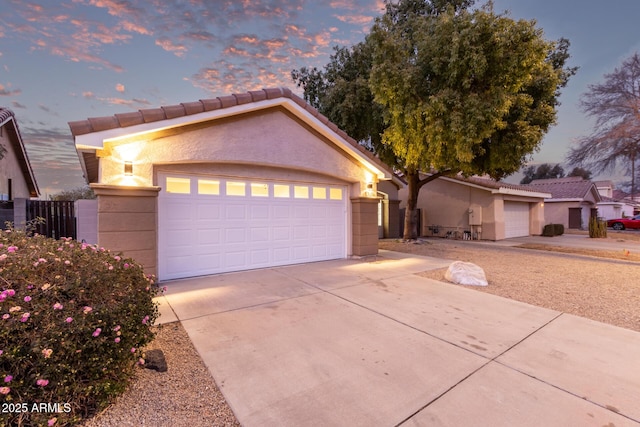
(515, 192)
(97, 140)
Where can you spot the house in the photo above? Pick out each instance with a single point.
(611, 207)
(478, 208)
(17, 180)
(573, 200)
(243, 181)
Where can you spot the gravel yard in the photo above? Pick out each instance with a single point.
(601, 289)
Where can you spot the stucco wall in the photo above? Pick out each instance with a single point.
(558, 212)
(271, 138)
(10, 169)
(365, 226)
(446, 204)
(127, 222)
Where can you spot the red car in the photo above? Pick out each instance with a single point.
(623, 223)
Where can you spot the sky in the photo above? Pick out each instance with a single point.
(74, 59)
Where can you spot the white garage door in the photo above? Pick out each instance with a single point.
(213, 225)
(516, 219)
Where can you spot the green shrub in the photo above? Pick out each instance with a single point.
(551, 230)
(73, 320)
(597, 228)
(558, 229)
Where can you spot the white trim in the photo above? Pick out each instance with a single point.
(97, 140)
(501, 190)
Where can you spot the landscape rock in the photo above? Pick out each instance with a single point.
(154, 359)
(466, 273)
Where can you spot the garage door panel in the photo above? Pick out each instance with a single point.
(213, 233)
(516, 219)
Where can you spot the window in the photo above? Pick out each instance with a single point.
(259, 189)
(335, 193)
(178, 185)
(281, 191)
(300, 192)
(319, 193)
(236, 188)
(208, 187)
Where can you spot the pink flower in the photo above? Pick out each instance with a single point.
(86, 309)
(5, 316)
(69, 319)
(10, 292)
(126, 265)
(97, 332)
(47, 353)
(4, 390)
(25, 317)
(117, 340)
(133, 349)
(1, 351)
(145, 320)
(116, 329)
(52, 422)
(30, 287)
(12, 249)
(57, 306)
(42, 383)
(42, 260)
(15, 308)
(60, 248)
(67, 262)
(141, 361)
(27, 298)
(8, 379)
(117, 258)
(3, 257)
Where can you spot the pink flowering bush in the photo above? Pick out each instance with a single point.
(73, 318)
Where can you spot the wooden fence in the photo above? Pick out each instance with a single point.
(59, 218)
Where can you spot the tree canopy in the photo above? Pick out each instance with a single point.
(543, 171)
(615, 138)
(439, 88)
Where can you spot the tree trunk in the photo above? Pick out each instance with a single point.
(413, 188)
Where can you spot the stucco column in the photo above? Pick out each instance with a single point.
(365, 226)
(127, 222)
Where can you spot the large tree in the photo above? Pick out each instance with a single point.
(615, 138)
(458, 90)
(543, 171)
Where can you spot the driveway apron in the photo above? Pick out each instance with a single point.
(370, 343)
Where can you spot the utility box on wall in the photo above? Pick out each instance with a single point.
(475, 215)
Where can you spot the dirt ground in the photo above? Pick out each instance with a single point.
(599, 288)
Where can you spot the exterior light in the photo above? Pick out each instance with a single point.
(128, 168)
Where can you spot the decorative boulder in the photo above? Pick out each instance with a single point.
(466, 273)
(154, 359)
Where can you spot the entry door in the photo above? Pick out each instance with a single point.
(575, 217)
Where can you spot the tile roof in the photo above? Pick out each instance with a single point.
(564, 188)
(123, 120)
(493, 184)
(7, 115)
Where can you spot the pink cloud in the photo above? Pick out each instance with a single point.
(355, 19)
(8, 92)
(88, 94)
(168, 45)
(120, 87)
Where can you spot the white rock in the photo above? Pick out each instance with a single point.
(466, 273)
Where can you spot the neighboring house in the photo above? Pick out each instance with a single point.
(483, 208)
(573, 200)
(243, 181)
(17, 179)
(611, 207)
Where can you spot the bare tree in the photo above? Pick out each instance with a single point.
(615, 105)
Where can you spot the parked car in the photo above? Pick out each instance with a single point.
(624, 223)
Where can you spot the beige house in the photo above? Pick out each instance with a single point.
(243, 181)
(17, 180)
(573, 200)
(478, 208)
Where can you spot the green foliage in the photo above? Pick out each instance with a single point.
(469, 91)
(543, 171)
(73, 320)
(551, 230)
(597, 228)
(581, 172)
(75, 194)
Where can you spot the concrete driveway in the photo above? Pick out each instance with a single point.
(369, 343)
